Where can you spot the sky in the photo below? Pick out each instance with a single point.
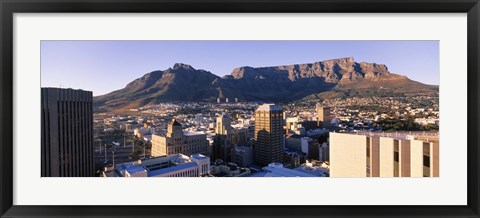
(106, 66)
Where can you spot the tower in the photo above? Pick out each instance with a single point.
(174, 130)
(222, 142)
(177, 141)
(67, 133)
(269, 133)
(324, 117)
(223, 124)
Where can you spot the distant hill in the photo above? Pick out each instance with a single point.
(341, 77)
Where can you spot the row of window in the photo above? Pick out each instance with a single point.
(75, 136)
(396, 158)
(189, 173)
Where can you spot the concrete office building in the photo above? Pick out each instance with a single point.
(290, 125)
(222, 144)
(175, 165)
(310, 147)
(177, 141)
(293, 158)
(67, 133)
(227, 137)
(324, 152)
(324, 118)
(406, 154)
(242, 155)
(294, 141)
(269, 134)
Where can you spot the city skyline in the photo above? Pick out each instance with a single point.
(73, 64)
(244, 139)
(240, 108)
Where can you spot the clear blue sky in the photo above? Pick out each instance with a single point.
(105, 66)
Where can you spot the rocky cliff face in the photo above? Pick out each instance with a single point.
(276, 83)
(342, 70)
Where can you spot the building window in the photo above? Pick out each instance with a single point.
(426, 159)
(395, 156)
(368, 157)
(396, 165)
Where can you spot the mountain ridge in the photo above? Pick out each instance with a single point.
(321, 79)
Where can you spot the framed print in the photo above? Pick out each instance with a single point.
(246, 109)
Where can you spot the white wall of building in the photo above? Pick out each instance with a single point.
(386, 157)
(416, 158)
(348, 155)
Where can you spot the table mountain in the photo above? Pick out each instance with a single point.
(341, 77)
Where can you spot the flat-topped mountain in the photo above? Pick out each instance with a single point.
(341, 77)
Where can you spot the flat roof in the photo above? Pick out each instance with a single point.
(199, 156)
(403, 135)
(135, 169)
(316, 171)
(130, 167)
(284, 172)
(192, 133)
(269, 107)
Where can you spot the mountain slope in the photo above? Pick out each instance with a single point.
(341, 77)
(180, 83)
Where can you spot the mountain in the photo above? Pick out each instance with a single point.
(341, 77)
(180, 83)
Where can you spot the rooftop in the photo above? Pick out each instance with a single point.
(403, 135)
(269, 107)
(199, 156)
(313, 170)
(192, 133)
(130, 167)
(242, 148)
(159, 165)
(174, 122)
(284, 172)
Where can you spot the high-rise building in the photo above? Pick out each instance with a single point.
(293, 158)
(227, 137)
(223, 125)
(324, 117)
(269, 134)
(405, 154)
(242, 155)
(178, 141)
(323, 152)
(222, 145)
(311, 148)
(67, 133)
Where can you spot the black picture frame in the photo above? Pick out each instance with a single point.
(9, 7)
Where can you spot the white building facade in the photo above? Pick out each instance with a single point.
(384, 155)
